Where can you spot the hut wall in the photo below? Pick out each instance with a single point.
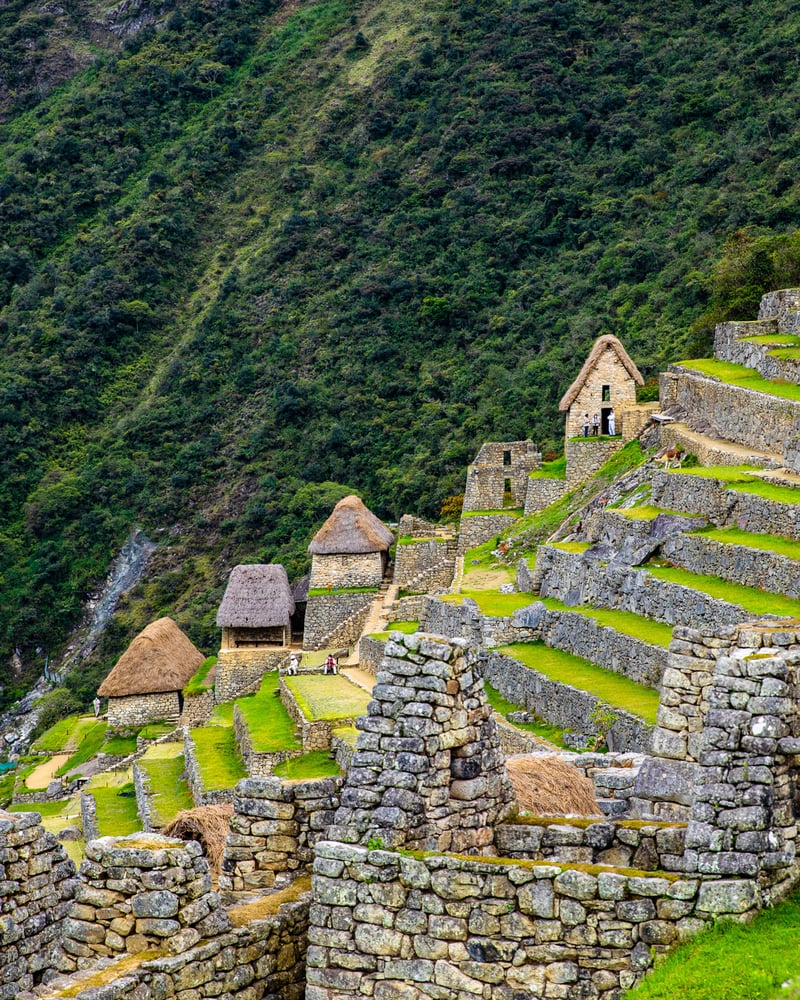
(255, 638)
(363, 569)
(609, 371)
(139, 709)
(239, 671)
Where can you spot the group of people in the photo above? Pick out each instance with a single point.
(330, 666)
(593, 424)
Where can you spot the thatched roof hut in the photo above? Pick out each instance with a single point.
(351, 528)
(257, 596)
(601, 345)
(161, 658)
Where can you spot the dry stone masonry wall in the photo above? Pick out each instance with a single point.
(363, 569)
(475, 529)
(586, 455)
(239, 671)
(427, 564)
(542, 492)
(134, 711)
(499, 464)
(335, 619)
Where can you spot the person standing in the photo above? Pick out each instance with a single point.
(612, 426)
(596, 425)
(586, 425)
(96, 705)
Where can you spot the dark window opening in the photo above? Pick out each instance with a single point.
(606, 394)
(506, 458)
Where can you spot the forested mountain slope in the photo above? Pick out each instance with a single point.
(261, 248)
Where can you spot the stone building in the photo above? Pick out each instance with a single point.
(147, 681)
(500, 470)
(257, 608)
(351, 549)
(607, 382)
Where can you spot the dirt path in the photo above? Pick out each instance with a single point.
(44, 773)
(360, 677)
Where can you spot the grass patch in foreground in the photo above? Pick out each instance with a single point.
(92, 738)
(646, 629)
(760, 602)
(557, 469)
(315, 764)
(491, 603)
(170, 793)
(218, 757)
(43, 808)
(60, 735)
(773, 338)
(507, 511)
(269, 724)
(743, 378)
(116, 809)
(539, 728)
(119, 746)
(407, 628)
(604, 684)
(732, 961)
(328, 697)
(751, 540)
(197, 684)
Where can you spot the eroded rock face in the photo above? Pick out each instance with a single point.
(429, 771)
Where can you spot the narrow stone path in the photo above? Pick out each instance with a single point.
(712, 450)
(41, 776)
(358, 676)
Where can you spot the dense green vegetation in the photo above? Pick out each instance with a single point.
(256, 259)
(732, 961)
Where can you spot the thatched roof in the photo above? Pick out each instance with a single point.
(600, 345)
(257, 596)
(351, 528)
(160, 658)
(300, 589)
(548, 786)
(209, 826)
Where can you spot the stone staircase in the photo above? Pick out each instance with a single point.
(713, 451)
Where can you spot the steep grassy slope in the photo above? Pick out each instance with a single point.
(264, 255)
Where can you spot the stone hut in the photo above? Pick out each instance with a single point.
(147, 681)
(606, 382)
(500, 471)
(257, 608)
(351, 549)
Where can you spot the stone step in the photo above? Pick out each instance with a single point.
(715, 451)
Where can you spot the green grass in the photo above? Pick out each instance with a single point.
(222, 714)
(327, 698)
(347, 733)
(170, 793)
(557, 469)
(769, 491)
(743, 479)
(514, 512)
(316, 764)
(321, 591)
(116, 813)
(268, 723)
(407, 628)
(410, 540)
(785, 353)
(752, 540)
(539, 728)
(482, 557)
(197, 684)
(646, 512)
(92, 738)
(491, 603)
(571, 546)
(656, 633)
(218, 757)
(732, 961)
(57, 737)
(725, 473)
(609, 687)
(119, 746)
(153, 730)
(760, 602)
(773, 338)
(744, 378)
(43, 808)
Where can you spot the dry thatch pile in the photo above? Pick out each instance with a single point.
(548, 786)
(351, 528)
(209, 826)
(257, 596)
(600, 345)
(160, 658)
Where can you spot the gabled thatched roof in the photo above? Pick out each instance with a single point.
(257, 596)
(351, 528)
(300, 589)
(160, 658)
(600, 345)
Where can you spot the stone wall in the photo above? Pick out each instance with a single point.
(408, 609)
(370, 653)
(239, 671)
(475, 529)
(497, 464)
(416, 527)
(752, 419)
(729, 345)
(141, 892)
(265, 958)
(724, 506)
(561, 704)
(38, 882)
(315, 734)
(621, 843)
(198, 708)
(91, 830)
(335, 619)
(362, 569)
(257, 763)
(427, 564)
(200, 795)
(586, 455)
(614, 777)
(542, 492)
(388, 926)
(141, 783)
(783, 306)
(575, 580)
(428, 772)
(135, 711)
(739, 563)
(274, 828)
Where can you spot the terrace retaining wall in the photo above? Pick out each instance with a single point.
(258, 763)
(335, 619)
(200, 795)
(475, 529)
(239, 671)
(425, 564)
(542, 492)
(198, 708)
(91, 830)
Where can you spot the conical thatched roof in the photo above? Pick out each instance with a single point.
(160, 658)
(600, 345)
(300, 589)
(257, 596)
(351, 528)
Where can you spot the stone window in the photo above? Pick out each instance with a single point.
(506, 458)
(606, 397)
